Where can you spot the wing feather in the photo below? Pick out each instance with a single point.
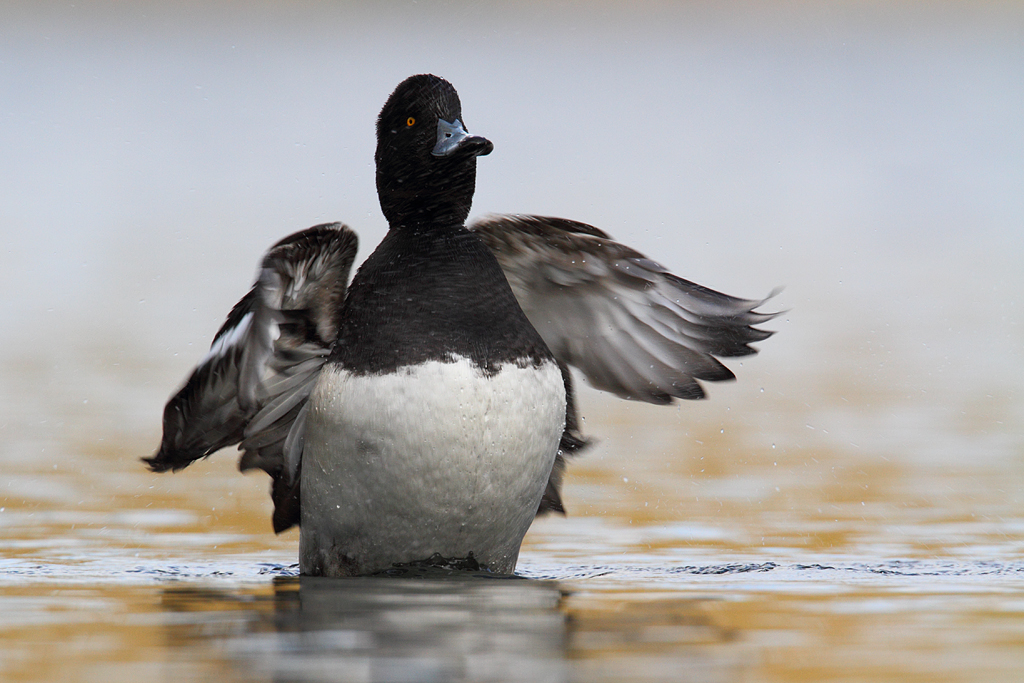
(626, 322)
(252, 386)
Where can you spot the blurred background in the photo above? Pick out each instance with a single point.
(867, 156)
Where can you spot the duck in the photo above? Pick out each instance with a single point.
(424, 412)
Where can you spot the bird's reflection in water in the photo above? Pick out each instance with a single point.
(438, 625)
(443, 626)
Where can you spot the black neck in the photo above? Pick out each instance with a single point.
(432, 295)
(442, 196)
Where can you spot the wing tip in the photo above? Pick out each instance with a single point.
(167, 461)
(154, 464)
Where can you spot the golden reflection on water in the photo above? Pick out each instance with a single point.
(725, 540)
(486, 629)
(695, 549)
(732, 539)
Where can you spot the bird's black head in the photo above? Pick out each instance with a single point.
(426, 161)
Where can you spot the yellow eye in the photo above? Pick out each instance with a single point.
(410, 121)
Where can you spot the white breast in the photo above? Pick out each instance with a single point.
(434, 458)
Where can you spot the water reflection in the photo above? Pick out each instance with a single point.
(436, 627)
(651, 638)
(444, 627)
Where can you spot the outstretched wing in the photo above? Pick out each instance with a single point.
(632, 327)
(253, 384)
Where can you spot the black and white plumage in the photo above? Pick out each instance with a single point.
(427, 408)
(252, 386)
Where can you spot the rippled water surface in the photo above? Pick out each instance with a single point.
(851, 509)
